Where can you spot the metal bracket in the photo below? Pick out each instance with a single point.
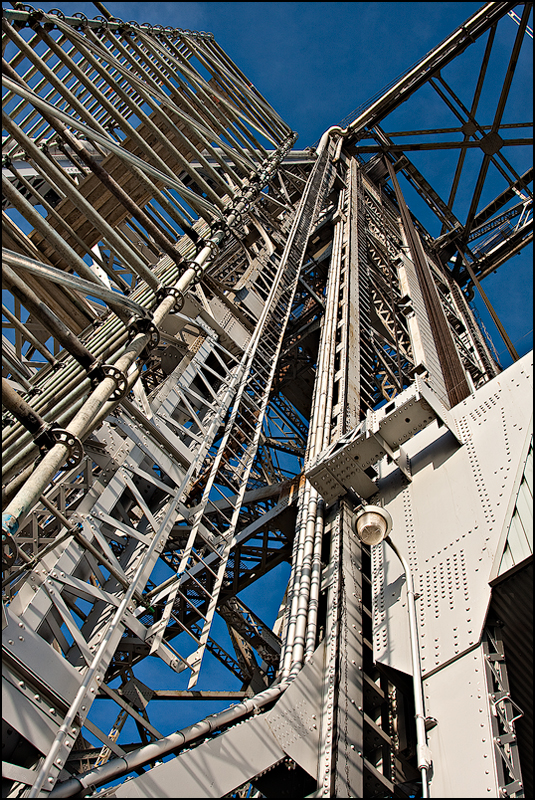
(497, 698)
(145, 326)
(121, 383)
(53, 434)
(98, 372)
(171, 291)
(401, 459)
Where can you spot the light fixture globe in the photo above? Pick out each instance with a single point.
(372, 524)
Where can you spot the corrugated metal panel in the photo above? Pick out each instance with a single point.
(512, 605)
(519, 544)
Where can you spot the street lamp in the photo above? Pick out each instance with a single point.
(372, 524)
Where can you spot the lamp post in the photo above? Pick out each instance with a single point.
(373, 524)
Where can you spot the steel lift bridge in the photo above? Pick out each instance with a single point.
(227, 356)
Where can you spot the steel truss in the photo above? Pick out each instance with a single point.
(199, 313)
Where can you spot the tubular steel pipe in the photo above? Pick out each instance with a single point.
(58, 179)
(114, 300)
(315, 585)
(117, 279)
(111, 184)
(21, 410)
(236, 152)
(57, 328)
(117, 767)
(309, 530)
(103, 343)
(83, 421)
(28, 335)
(156, 93)
(166, 177)
(423, 753)
(126, 127)
(38, 222)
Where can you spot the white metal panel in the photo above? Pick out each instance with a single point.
(456, 696)
(214, 768)
(448, 522)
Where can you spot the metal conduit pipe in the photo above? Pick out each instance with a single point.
(113, 299)
(193, 113)
(63, 413)
(422, 749)
(166, 177)
(122, 123)
(134, 106)
(278, 127)
(28, 453)
(117, 279)
(69, 190)
(38, 222)
(291, 589)
(28, 335)
(308, 530)
(21, 410)
(64, 392)
(297, 560)
(17, 454)
(57, 328)
(301, 623)
(117, 767)
(83, 421)
(315, 585)
(105, 344)
(155, 92)
(71, 384)
(311, 573)
(236, 152)
(254, 118)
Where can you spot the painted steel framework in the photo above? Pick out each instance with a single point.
(222, 347)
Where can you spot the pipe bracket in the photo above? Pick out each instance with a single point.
(53, 434)
(121, 383)
(171, 291)
(147, 327)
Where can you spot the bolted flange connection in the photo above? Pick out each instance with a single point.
(53, 434)
(171, 291)
(146, 326)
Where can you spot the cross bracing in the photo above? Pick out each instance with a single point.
(200, 312)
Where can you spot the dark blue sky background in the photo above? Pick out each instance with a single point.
(315, 63)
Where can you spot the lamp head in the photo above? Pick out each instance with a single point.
(372, 524)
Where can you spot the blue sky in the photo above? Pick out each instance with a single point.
(315, 63)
